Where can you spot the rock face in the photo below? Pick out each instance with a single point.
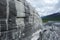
(50, 35)
(52, 32)
(27, 20)
(3, 5)
(7, 20)
(18, 20)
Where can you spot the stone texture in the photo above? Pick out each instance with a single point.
(20, 9)
(21, 23)
(3, 5)
(7, 24)
(51, 32)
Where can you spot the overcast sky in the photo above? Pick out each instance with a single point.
(45, 7)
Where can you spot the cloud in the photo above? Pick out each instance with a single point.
(45, 7)
(50, 1)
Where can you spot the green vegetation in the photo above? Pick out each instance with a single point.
(54, 17)
(50, 19)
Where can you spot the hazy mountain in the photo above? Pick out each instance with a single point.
(52, 17)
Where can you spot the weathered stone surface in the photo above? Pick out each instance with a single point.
(3, 26)
(7, 22)
(3, 5)
(12, 15)
(21, 22)
(51, 32)
(50, 35)
(20, 9)
(22, 1)
(9, 35)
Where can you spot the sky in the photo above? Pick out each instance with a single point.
(45, 7)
